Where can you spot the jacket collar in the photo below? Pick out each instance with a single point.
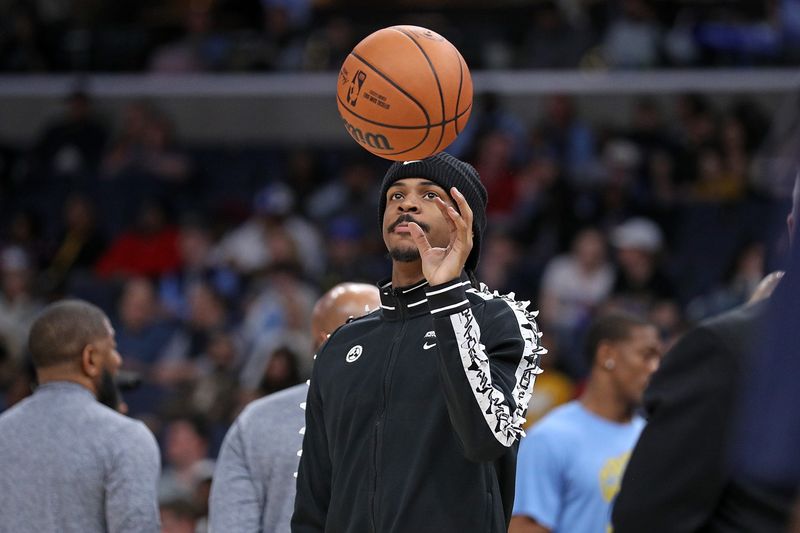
(403, 302)
(406, 302)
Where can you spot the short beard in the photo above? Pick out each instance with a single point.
(408, 255)
(108, 393)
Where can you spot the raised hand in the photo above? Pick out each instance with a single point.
(440, 265)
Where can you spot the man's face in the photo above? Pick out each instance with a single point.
(637, 357)
(414, 200)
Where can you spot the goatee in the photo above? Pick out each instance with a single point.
(404, 256)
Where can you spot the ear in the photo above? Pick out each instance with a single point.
(90, 361)
(606, 356)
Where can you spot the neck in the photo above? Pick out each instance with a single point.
(405, 273)
(53, 373)
(600, 399)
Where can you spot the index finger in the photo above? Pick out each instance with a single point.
(463, 206)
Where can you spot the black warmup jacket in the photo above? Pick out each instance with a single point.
(414, 414)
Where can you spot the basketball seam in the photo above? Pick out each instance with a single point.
(426, 134)
(460, 86)
(398, 127)
(443, 124)
(438, 84)
(467, 110)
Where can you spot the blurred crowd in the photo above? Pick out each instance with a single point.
(209, 258)
(316, 35)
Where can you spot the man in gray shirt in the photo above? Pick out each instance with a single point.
(67, 462)
(254, 480)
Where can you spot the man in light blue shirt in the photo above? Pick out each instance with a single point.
(570, 465)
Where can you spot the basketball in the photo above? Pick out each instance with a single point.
(404, 93)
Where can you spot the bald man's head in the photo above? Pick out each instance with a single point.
(340, 303)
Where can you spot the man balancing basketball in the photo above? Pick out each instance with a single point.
(414, 413)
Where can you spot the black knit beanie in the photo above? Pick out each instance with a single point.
(446, 171)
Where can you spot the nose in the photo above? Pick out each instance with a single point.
(408, 205)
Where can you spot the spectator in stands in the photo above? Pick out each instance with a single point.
(745, 273)
(26, 230)
(545, 211)
(494, 163)
(569, 138)
(285, 24)
(574, 284)
(186, 446)
(272, 235)
(695, 130)
(489, 115)
(552, 41)
(199, 49)
(571, 462)
(18, 302)
(282, 371)
(149, 248)
(348, 253)
(504, 266)
(185, 357)
(277, 314)
(195, 247)
(215, 393)
(633, 40)
(716, 181)
(78, 247)
(640, 281)
(668, 317)
(72, 145)
(572, 287)
(145, 147)
(143, 334)
(143, 161)
(351, 193)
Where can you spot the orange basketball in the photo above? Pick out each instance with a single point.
(404, 93)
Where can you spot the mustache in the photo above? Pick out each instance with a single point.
(408, 218)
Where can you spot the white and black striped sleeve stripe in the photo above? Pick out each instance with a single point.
(447, 298)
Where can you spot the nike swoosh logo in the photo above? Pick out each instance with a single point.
(427, 346)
